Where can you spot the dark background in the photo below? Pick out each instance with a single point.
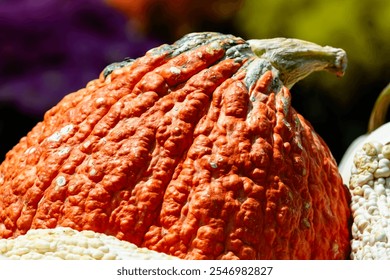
(50, 48)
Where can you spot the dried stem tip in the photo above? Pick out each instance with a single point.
(295, 59)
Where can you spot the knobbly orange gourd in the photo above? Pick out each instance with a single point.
(193, 150)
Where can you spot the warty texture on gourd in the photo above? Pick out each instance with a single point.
(193, 150)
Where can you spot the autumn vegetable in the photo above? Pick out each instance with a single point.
(68, 244)
(193, 150)
(377, 131)
(365, 168)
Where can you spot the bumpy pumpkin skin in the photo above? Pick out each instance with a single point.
(193, 150)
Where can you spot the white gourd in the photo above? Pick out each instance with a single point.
(365, 169)
(68, 244)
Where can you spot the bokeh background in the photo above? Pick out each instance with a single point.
(49, 48)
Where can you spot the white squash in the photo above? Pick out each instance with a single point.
(381, 135)
(365, 168)
(377, 131)
(68, 244)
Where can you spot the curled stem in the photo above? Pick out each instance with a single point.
(295, 59)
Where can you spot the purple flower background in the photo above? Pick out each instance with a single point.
(49, 48)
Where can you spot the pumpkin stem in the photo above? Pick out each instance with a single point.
(379, 112)
(295, 59)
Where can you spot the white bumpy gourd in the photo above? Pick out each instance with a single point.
(365, 168)
(68, 244)
(370, 189)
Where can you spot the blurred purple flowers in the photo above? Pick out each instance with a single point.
(49, 48)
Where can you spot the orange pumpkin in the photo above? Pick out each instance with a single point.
(193, 150)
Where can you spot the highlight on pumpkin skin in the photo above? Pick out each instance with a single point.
(296, 59)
